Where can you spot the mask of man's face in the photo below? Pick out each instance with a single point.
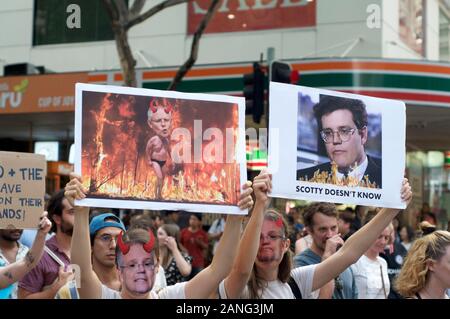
(138, 270)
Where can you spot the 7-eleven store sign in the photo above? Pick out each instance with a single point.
(256, 158)
(447, 160)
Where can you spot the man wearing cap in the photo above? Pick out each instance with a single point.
(104, 229)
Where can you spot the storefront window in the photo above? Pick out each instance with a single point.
(50, 22)
(411, 24)
(444, 34)
(429, 179)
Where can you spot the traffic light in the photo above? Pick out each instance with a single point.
(283, 73)
(254, 92)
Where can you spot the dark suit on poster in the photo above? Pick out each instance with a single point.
(373, 170)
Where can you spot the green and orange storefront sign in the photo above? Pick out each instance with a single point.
(414, 82)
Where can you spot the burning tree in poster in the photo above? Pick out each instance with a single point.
(116, 162)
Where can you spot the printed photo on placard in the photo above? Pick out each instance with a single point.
(338, 142)
(140, 148)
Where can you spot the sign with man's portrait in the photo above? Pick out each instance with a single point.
(22, 189)
(149, 149)
(337, 147)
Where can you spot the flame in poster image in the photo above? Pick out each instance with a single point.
(332, 178)
(114, 164)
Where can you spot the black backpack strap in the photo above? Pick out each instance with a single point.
(294, 287)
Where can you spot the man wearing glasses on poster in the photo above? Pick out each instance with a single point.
(342, 124)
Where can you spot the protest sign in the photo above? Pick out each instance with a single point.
(149, 149)
(336, 147)
(22, 189)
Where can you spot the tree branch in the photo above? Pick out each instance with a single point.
(152, 11)
(118, 12)
(135, 9)
(195, 45)
(123, 11)
(111, 10)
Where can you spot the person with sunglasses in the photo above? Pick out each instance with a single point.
(342, 124)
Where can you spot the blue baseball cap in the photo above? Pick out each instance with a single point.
(100, 222)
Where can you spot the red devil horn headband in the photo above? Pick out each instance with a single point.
(279, 222)
(148, 246)
(167, 107)
(125, 248)
(153, 106)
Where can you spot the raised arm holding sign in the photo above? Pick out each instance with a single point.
(337, 147)
(14, 272)
(137, 257)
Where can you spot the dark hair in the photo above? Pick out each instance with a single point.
(199, 216)
(142, 221)
(409, 232)
(55, 207)
(327, 209)
(429, 215)
(427, 228)
(136, 236)
(328, 104)
(369, 216)
(346, 216)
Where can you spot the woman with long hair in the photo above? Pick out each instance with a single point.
(174, 258)
(371, 271)
(407, 236)
(262, 268)
(426, 270)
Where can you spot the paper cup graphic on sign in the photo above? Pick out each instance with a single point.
(22, 189)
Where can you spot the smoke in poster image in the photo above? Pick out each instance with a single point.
(160, 149)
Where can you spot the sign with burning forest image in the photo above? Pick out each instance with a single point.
(337, 147)
(149, 149)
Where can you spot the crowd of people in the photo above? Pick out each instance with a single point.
(318, 252)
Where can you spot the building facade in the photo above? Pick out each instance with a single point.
(386, 48)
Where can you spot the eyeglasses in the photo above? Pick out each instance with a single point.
(271, 237)
(344, 134)
(106, 238)
(147, 265)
